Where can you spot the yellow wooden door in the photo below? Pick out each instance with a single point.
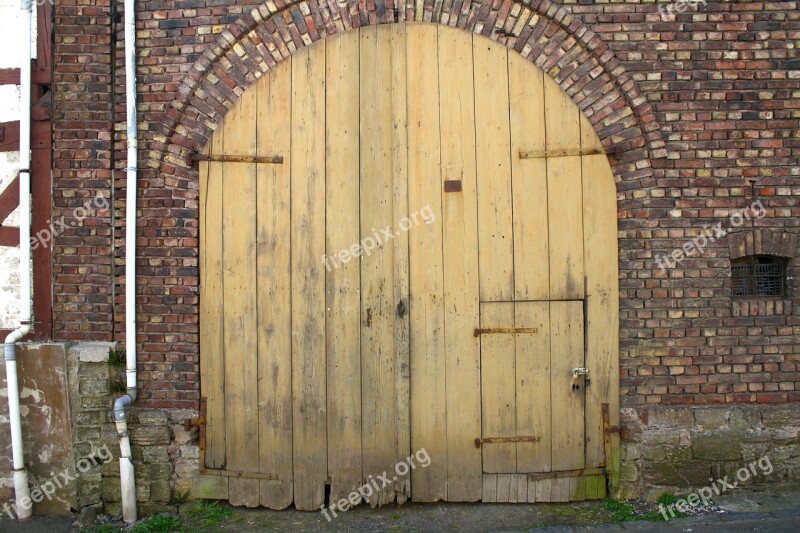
(407, 247)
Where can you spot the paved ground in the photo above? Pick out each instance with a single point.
(776, 509)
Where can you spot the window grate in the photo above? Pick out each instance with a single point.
(758, 275)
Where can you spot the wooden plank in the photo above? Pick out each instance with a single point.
(542, 489)
(602, 286)
(9, 199)
(531, 242)
(522, 487)
(212, 304)
(532, 484)
(498, 401)
(492, 135)
(566, 349)
(504, 488)
(564, 195)
(533, 412)
(428, 410)
(489, 488)
(342, 282)
(273, 259)
(41, 211)
(578, 489)
(378, 307)
(9, 236)
(240, 323)
(401, 280)
(560, 489)
(461, 286)
(308, 281)
(9, 136)
(9, 76)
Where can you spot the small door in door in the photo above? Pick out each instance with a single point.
(532, 400)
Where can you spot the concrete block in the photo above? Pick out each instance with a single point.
(92, 352)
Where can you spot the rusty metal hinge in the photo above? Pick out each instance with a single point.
(567, 473)
(485, 331)
(223, 158)
(566, 152)
(496, 440)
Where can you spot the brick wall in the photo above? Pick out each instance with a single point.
(703, 111)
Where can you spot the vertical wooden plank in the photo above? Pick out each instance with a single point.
(543, 490)
(274, 284)
(428, 405)
(592, 487)
(308, 280)
(602, 286)
(461, 287)
(239, 280)
(495, 224)
(533, 387)
(401, 275)
(566, 347)
(531, 242)
(489, 488)
(212, 349)
(498, 396)
(578, 489)
(522, 487)
(377, 260)
(342, 282)
(564, 195)
(560, 489)
(531, 491)
(504, 488)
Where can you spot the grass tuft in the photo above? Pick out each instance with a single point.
(179, 497)
(159, 524)
(116, 357)
(210, 512)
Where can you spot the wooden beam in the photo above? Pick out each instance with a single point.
(9, 236)
(9, 76)
(9, 199)
(9, 136)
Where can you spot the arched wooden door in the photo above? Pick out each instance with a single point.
(408, 242)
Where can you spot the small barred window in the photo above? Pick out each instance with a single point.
(758, 275)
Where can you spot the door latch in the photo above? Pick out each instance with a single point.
(580, 371)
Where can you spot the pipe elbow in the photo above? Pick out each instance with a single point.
(14, 337)
(119, 407)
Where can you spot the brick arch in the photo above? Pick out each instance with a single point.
(540, 30)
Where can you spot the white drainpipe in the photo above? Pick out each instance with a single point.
(127, 482)
(22, 492)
